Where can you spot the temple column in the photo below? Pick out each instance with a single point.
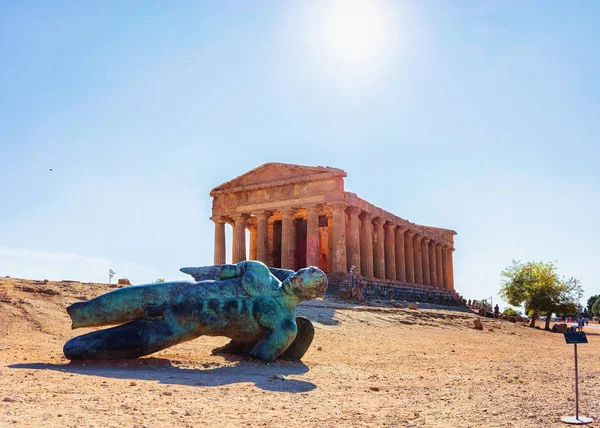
(253, 232)
(338, 261)
(312, 236)
(271, 243)
(288, 238)
(330, 240)
(438, 265)
(354, 238)
(262, 237)
(425, 256)
(409, 256)
(379, 248)
(418, 259)
(450, 269)
(400, 258)
(220, 252)
(445, 267)
(390, 251)
(366, 244)
(432, 265)
(239, 239)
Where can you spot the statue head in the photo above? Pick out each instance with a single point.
(308, 283)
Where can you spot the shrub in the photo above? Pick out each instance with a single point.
(510, 312)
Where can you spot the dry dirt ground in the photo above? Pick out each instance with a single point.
(368, 366)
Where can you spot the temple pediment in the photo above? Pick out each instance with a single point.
(276, 174)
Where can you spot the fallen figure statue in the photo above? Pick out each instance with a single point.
(248, 304)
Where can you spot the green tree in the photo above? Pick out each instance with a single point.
(591, 301)
(538, 287)
(596, 307)
(159, 280)
(510, 312)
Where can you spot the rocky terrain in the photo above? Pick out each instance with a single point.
(370, 365)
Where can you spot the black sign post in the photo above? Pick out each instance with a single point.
(573, 338)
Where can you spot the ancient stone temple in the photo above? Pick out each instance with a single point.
(300, 216)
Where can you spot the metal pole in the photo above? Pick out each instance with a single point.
(576, 387)
(576, 420)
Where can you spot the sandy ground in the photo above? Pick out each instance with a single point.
(368, 366)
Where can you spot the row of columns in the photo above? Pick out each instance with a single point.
(393, 252)
(374, 246)
(259, 241)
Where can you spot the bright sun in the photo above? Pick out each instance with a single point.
(355, 32)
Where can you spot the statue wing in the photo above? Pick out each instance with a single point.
(256, 278)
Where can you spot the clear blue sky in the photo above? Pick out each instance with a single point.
(482, 117)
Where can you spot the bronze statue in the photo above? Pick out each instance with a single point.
(248, 304)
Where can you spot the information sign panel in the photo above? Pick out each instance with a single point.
(573, 337)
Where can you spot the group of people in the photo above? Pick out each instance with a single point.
(581, 321)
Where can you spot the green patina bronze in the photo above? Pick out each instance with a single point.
(247, 304)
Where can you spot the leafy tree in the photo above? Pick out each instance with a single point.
(591, 301)
(159, 280)
(571, 311)
(538, 286)
(596, 307)
(510, 312)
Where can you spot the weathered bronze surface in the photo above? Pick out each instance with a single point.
(247, 304)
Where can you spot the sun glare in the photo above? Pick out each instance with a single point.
(355, 32)
(350, 44)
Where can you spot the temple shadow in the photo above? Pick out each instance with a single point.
(269, 377)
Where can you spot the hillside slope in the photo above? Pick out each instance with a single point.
(368, 366)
